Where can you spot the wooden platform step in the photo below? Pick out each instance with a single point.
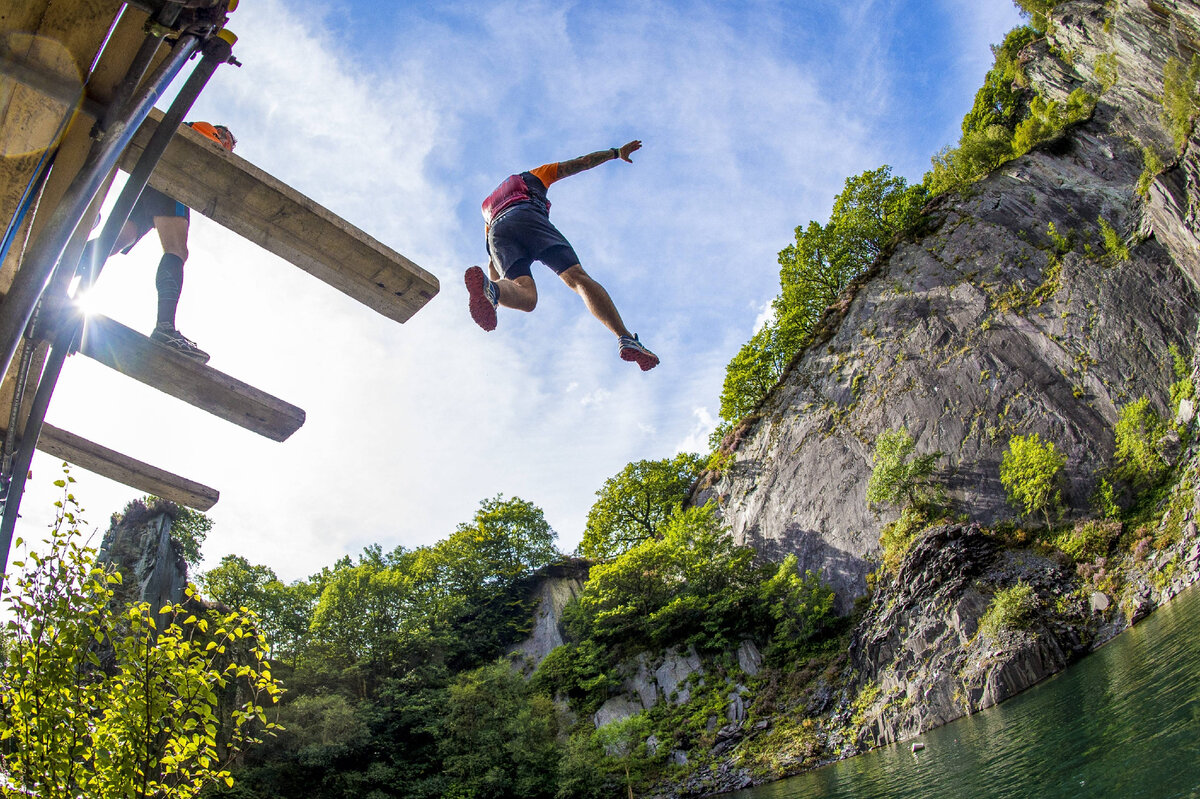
(125, 470)
(134, 355)
(233, 192)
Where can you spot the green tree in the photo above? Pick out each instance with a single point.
(1138, 433)
(693, 585)
(979, 152)
(871, 209)
(633, 505)
(1031, 472)
(899, 477)
(624, 741)
(146, 722)
(355, 616)
(753, 372)
(507, 539)
(285, 611)
(820, 264)
(1004, 97)
(1038, 11)
(499, 740)
(799, 606)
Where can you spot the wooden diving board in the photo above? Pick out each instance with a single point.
(233, 192)
(134, 355)
(125, 470)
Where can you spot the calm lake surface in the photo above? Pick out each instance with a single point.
(1124, 722)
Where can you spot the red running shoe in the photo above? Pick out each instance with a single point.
(483, 299)
(633, 350)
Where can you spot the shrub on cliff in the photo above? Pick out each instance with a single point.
(1181, 97)
(1010, 609)
(1089, 540)
(1138, 432)
(1030, 471)
(900, 477)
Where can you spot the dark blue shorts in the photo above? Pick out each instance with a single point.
(150, 204)
(523, 235)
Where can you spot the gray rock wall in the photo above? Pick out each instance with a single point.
(980, 329)
(551, 591)
(151, 567)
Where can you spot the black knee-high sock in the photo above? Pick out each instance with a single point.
(169, 282)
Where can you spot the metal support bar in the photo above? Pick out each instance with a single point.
(39, 263)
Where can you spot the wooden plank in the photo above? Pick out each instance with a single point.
(134, 355)
(129, 471)
(256, 206)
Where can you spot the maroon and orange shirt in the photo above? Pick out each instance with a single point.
(527, 187)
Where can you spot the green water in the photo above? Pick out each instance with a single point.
(1122, 723)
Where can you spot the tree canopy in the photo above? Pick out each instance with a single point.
(1030, 472)
(632, 506)
(820, 264)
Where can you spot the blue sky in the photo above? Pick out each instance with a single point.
(401, 117)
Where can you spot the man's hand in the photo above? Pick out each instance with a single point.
(626, 149)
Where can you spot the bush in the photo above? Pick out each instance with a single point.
(1010, 609)
(1089, 540)
(1113, 244)
(897, 537)
(146, 721)
(1152, 167)
(1139, 429)
(1183, 388)
(1180, 97)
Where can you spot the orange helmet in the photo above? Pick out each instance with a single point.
(218, 133)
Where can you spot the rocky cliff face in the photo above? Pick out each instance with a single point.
(139, 545)
(551, 589)
(985, 326)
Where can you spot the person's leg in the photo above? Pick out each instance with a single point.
(520, 293)
(484, 294)
(173, 233)
(595, 298)
(602, 307)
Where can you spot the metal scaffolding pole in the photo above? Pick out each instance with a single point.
(31, 279)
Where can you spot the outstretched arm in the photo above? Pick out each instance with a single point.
(585, 162)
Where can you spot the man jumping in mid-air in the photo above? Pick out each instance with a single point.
(517, 224)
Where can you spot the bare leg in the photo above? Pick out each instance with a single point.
(596, 299)
(519, 293)
(173, 233)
